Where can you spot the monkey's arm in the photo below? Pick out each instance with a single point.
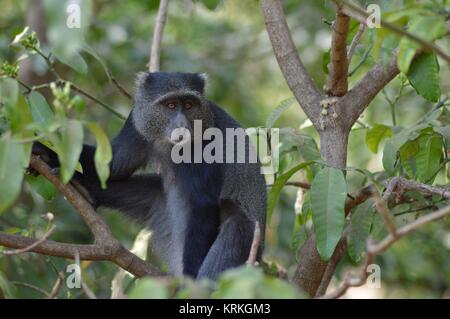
(135, 195)
(130, 151)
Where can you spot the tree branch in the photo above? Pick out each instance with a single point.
(359, 97)
(375, 249)
(337, 84)
(355, 41)
(29, 248)
(255, 245)
(153, 65)
(359, 14)
(106, 246)
(404, 184)
(297, 78)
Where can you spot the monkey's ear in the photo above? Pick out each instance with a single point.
(142, 77)
(201, 82)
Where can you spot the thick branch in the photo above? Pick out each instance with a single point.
(106, 246)
(337, 83)
(153, 65)
(30, 247)
(359, 97)
(297, 78)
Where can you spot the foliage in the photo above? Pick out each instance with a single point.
(407, 136)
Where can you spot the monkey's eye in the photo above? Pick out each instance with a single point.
(188, 105)
(170, 104)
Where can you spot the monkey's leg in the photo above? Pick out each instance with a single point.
(230, 249)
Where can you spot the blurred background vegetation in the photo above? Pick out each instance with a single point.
(230, 44)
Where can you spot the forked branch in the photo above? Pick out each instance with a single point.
(106, 246)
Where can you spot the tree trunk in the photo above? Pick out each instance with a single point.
(311, 268)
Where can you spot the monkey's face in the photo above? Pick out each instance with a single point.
(167, 106)
(174, 118)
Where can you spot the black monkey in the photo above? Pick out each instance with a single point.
(202, 215)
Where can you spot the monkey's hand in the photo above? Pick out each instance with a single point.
(47, 155)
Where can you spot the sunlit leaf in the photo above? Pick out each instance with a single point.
(69, 148)
(149, 288)
(328, 193)
(429, 157)
(425, 27)
(424, 76)
(376, 134)
(13, 161)
(278, 186)
(103, 152)
(40, 109)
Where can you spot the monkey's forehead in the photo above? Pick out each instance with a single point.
(164, 82)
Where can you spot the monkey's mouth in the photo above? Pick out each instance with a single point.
(179, 136)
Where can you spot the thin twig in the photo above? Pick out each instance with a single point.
(27, 285)
(57, 286)
(118, 85)
(383, 210)
(89, 293)
(30, 247)
(255, 245)
(60, 79)
(355, 41)
(93, 98)
(155, 53)
(361, 15)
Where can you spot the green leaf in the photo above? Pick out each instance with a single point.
(425, 27)
(5, 286)
(13, 161)
(69, 148)
(42, 186)
(424, 76)
(360, 224)
(278, 186)
(9, 91)
(276, 113)
(375, 135)
(103, 152)
(407, 153)
(211, 4)
(389, 157)
(149, 288)
(429, 157)
(74, 60)
(444, 131)
(40, 109)
(250, 282)
(328, 193)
